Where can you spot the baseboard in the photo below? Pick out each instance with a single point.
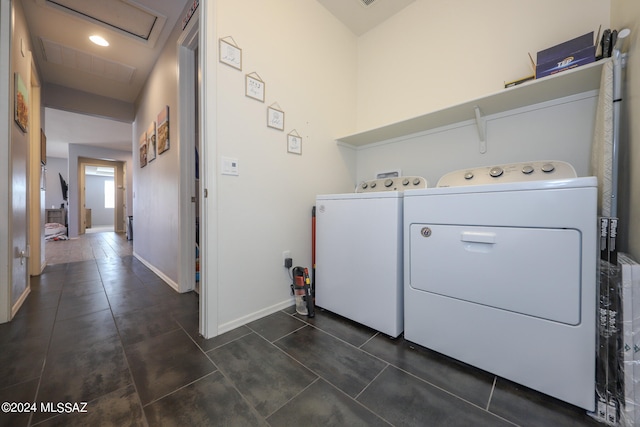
(159, 273)
(20, 301)
(226, 327)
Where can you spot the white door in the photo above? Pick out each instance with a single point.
(5, 165)
(532, 271)
(19, 212)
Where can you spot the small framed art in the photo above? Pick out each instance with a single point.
(275, 118)
(230, 53)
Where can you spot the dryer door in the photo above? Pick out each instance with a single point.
(532, 271)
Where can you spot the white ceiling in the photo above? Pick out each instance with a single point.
(65, 56)
(360, 18)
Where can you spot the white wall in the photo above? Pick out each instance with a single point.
(67, 99)
(626, 14)
(53, 192)
(156, 187)
(308, 60)
(434, 54)
(446, 53)
(100, 216)
(555, 130)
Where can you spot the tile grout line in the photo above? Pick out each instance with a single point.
(493, 387)
(371, 382)
(126, 357)
(46, 354)
(319, 377)
(224, 375)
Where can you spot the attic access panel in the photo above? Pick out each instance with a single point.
(116, 14)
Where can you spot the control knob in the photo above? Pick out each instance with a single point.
(468, 175)
(495, 172)
(405, 182)
(416, 181)
(527, 170)
(548, 167)
(388, 182)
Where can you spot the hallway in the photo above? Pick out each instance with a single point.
(91, 246)
(109, 333)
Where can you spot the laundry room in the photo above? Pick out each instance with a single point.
(331, 83)
(420, 94)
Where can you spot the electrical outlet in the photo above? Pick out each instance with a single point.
(286, 255)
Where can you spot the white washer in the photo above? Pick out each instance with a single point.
(500, 273)
(359, 247)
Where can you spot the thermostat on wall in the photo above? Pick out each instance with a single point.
(229, 166)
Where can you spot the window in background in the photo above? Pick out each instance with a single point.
(109, 195)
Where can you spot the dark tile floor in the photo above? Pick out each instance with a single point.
(108, 332)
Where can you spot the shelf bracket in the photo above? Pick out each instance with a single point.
(482, 132)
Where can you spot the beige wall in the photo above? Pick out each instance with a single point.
(626, 14)
(434, 54)
(307, 59)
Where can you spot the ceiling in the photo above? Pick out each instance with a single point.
(59, 30)
(361, 16)
(137, 31)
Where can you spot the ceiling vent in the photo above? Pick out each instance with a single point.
(367, 3)
(56, 53)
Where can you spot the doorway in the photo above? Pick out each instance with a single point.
(100, 199)
(193, 273)
(101, 195)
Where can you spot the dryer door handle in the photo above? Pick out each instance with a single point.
(478, 237)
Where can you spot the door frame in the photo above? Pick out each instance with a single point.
(195, 36)
(119, 180)
(6, 29)
(187, 84)
(36, 203)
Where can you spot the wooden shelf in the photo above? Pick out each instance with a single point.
(566, 83)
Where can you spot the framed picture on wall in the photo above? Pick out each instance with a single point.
(254, 87)
(21, 106)
(151, 142)
(294, 143)
(230, 53)
(143, 149)
(43, 148)
(275, 118)
(162, 130)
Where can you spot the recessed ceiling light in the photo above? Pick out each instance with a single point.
(99, 41)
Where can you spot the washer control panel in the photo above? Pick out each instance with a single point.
(399, 183)
(516, 172)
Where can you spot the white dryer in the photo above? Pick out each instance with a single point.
(500, 273)
(359, 264)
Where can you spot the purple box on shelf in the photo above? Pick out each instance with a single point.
(567, 55)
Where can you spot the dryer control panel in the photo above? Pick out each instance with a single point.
(515, 172)
(399, 183)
